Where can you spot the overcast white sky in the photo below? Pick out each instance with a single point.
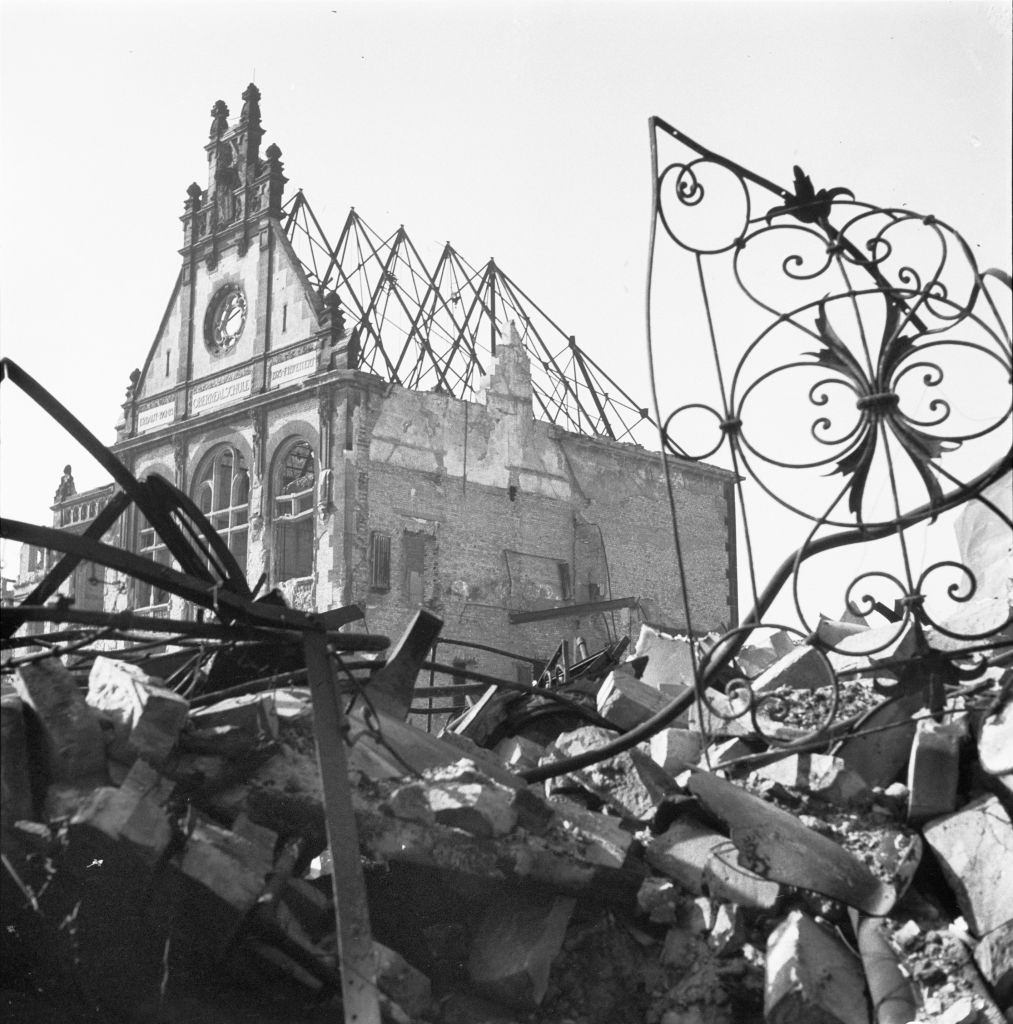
(514, 130)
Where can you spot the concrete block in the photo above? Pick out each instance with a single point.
(682, 852)
(753, 659)
(994, 957)
(15, 785)
(518, 752)
(803, 668)
(782, 643)
(882, 749)
(148, 716)
(933, 769)
(482, 810)
(832, 631)
(725, 718)
(74, 744)
(812, 977)
(975, 849)
(670, 661)
(676, 749)
(255, 714)
(995, 742)
(135, 812)
(232, 866)
(820, 774)
(630, 784)
(722, 752)
(725, 879)
(627, 701)
(608, 843)
(514, 947)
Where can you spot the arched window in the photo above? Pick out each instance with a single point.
(221, 490)
(292, 507)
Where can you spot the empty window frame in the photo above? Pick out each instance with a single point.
(379, 561)
(221, 490)
(294, 485)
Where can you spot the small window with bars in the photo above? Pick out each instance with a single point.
(379, 561)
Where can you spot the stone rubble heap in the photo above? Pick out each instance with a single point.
(169, 863)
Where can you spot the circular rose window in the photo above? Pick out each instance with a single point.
(225, 319)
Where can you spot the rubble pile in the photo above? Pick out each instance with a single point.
(168, 861)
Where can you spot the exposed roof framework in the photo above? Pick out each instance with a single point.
(438, 330)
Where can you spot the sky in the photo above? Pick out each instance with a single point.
(514, 130)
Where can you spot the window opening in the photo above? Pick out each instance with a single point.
(222, 492)
(284, 318)
(379, 561)
(415, 567)
(150, 599)
(295, 476)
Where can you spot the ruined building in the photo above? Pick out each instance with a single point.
(360, 429)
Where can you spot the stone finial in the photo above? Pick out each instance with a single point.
(220, 119)
(135, 376)
(194, 191)
(66, 488)
(276, 179)
(250, 113)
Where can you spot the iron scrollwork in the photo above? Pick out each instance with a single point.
(857, 380)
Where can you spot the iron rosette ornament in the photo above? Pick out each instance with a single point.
(852, 365)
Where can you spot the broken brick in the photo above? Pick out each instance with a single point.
(148, 716)
(975, 848)
(514, 947)
(933, 769)
(812, 976)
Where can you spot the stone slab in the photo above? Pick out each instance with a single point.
(75, 746)
(513, 949)
(975, 850)
(812, 977)
(149, 716)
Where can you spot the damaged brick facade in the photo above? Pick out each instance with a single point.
(338, 486)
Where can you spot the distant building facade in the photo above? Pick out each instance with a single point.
(337, 486)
